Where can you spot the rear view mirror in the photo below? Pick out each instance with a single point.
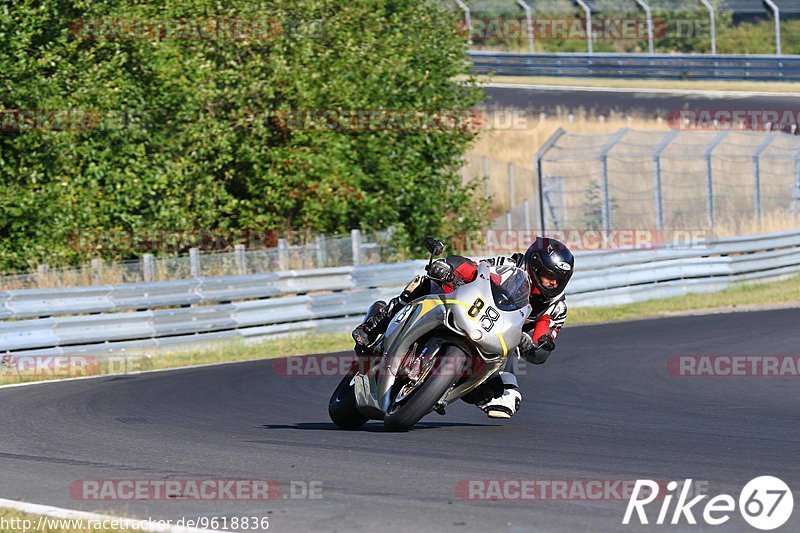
(434, 246)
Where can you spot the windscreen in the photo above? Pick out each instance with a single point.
(511, 287)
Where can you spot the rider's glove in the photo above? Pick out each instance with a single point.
(545, 342)
(538, 352)
(440, 271)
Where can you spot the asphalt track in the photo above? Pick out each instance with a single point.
(637, 103)
(604, 407)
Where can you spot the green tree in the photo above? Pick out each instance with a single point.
(188, 136)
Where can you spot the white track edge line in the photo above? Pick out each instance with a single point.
(70, 514)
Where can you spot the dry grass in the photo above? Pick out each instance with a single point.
(678, 85)
(631, 174)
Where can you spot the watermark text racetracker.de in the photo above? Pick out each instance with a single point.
(742, 365)
(344, 364)
(495, 242)
(554, 489)
(717, 119)
(200, 489)
(578, 29)
(70, 366)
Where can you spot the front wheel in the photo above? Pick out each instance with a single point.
(342, 406)
(446, 370)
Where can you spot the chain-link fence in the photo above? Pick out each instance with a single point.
(698, 180)
(322, 251)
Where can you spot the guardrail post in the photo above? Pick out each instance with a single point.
(537, 164)
(148, 267)
(97, 271)
(322, 251)
(283, 254)
(355, 239)
(240, 259)
(713, 18)
(194, 262)
(712, 217)
(657, 182)
(41, 274)
(757, 176)
(777, 12)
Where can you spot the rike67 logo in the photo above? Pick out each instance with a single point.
(765, 503)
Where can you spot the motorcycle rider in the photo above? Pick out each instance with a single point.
(549, 264)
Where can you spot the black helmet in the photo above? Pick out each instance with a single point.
(553, 259)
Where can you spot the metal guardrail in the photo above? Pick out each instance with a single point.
(133, 317)
(660, 66)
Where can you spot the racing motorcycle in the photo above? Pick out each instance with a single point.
(436, 349)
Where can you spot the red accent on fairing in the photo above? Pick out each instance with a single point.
(542, 328)
(497, 279)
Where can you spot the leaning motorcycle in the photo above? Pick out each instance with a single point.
(436, 349)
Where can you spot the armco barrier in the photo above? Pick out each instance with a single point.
(114, 318)
(658, 66)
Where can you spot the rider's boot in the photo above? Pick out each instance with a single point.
(376, 323)
(505, 405)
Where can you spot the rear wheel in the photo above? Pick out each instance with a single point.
(409, 410)
(342, 406)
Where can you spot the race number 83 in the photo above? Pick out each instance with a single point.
(489, 317)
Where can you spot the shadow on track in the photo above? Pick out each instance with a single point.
(370, 426)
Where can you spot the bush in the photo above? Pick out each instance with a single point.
(191, 132)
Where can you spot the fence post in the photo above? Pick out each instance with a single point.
(713, 19)
(511, 194)
(148, 268)
(589, 36)
(796, 188)
(712, 218)
(240, 259)
(467, 19)
(657, 181)
(355, 239)
(322, 251)
(41, 274)
(757, 176)
(194, 262)
(283, 254)
(605, 192)
(529, 25)
(485, 161)
(649, 13)
(777, 12)
(97, 271)
(526, 207)
(537, 164)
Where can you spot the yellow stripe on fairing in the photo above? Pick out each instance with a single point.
(503, 343)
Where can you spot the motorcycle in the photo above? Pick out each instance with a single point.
(436, 349)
